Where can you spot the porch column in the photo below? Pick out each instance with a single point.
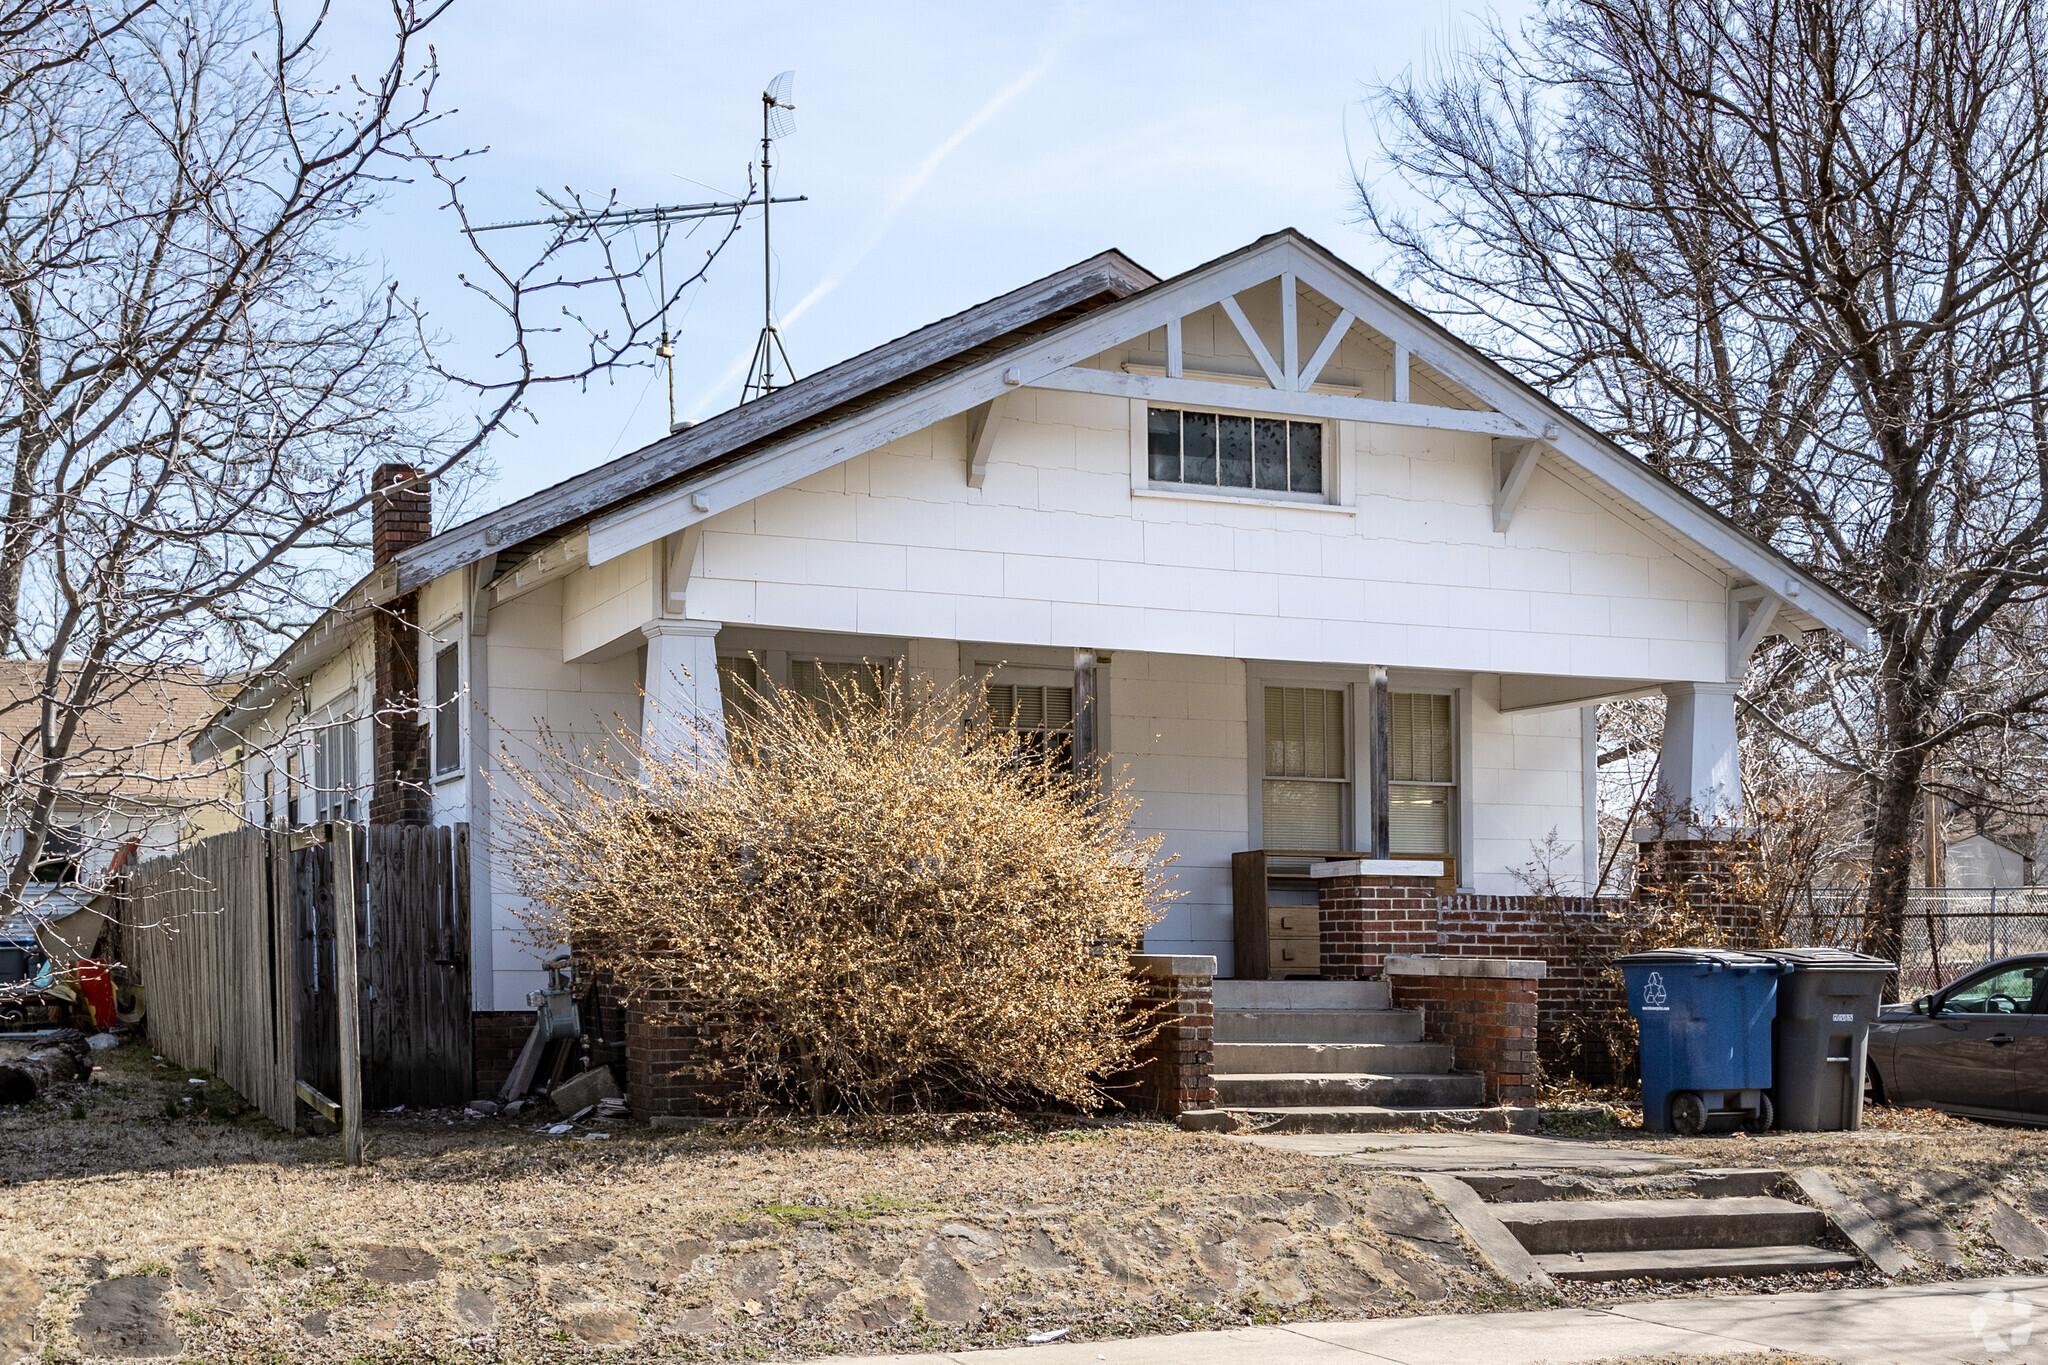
(681, 685)
(1699, 774)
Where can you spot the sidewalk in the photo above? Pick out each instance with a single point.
(1941, 1324)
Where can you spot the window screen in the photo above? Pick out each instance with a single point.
(1421, 770)
(1216, 450)
(447, 710)
(1307, 769)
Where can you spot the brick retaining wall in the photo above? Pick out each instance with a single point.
(1485, 1008)
(1175, 1071)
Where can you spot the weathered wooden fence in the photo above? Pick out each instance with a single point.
(211, 933)
(235, 943)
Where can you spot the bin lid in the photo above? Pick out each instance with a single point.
(1832, 959)
(1704, 957)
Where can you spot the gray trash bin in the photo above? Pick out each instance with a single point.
(1826, 1002)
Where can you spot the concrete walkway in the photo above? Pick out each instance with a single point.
(1944, 1324)
(1470, 1152)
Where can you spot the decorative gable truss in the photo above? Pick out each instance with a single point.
(1527, 429)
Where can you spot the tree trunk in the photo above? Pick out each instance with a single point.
(63, 1056)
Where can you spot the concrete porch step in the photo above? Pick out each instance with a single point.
(1318, 1026)
(1695, 1263)
(1362, 1118)
(1328, 1058)
(1279, 1090)
(1586, 1226)
(1267, 996)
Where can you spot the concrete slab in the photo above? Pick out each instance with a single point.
(1561, 1337)
(1951, 1323)
(1956, 1321)
(1469, 1151)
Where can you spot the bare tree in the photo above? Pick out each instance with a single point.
(197, 374)
(1796, 256)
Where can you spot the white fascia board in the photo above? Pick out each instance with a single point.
(790, 461)
(1210, 393)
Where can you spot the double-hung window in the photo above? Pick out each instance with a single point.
(335, 768)
(1421, 771)
(1306, 796)
(447, 710)
(1223, 451)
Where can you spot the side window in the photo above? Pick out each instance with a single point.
(447, 710)
(63, 846)
(334, 768)
(2008, 992)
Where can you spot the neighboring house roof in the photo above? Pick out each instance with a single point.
(972, 357)
(130, 746)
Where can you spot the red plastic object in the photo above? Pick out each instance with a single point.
(96, 983)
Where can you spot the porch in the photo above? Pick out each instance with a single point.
(1231, 755)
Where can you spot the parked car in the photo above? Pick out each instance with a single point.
(1978, 1046)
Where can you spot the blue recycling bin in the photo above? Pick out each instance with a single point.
(1704, 1016)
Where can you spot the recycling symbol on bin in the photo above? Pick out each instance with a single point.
(1653, 991)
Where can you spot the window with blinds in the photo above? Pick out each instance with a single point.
(1422, 773)
(1308, 772)
(822, 680)
(1042, 715)
(739, 686)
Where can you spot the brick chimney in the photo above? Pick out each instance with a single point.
(399, 519)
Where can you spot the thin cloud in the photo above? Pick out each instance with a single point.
(854, 252)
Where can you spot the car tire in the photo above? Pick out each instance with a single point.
(1873, 1085)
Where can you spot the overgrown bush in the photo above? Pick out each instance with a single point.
(879, 901)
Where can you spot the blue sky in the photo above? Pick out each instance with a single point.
(950, 151)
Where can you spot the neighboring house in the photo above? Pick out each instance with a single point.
(1979, 862)
(129, 779)
(1233, 506)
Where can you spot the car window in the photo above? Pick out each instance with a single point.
(2007, 992)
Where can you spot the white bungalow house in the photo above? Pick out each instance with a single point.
(1232, 506)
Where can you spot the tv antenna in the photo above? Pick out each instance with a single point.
(661, 217)
(777, 122)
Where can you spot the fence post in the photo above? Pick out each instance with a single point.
(342, 840)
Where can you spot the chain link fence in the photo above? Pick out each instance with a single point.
(1949, 931)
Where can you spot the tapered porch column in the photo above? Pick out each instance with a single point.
(681, 686)
(1700, 776)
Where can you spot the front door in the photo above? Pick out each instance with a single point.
(1961, 1055)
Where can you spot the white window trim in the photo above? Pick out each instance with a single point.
(446, 634)
(1336, 450)
(1355, 682)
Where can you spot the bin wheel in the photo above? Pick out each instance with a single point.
(1688, 1114)
(1766, 1114)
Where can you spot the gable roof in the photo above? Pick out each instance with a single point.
(803, 407)
(972, 357)
(1040, 331)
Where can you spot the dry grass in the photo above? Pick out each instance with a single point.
(659, 1228)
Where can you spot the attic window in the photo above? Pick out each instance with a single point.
(1224, 451)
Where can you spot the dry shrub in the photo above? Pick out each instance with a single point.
(880, 901)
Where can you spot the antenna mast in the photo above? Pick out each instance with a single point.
(660, 216)
(776, 123)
